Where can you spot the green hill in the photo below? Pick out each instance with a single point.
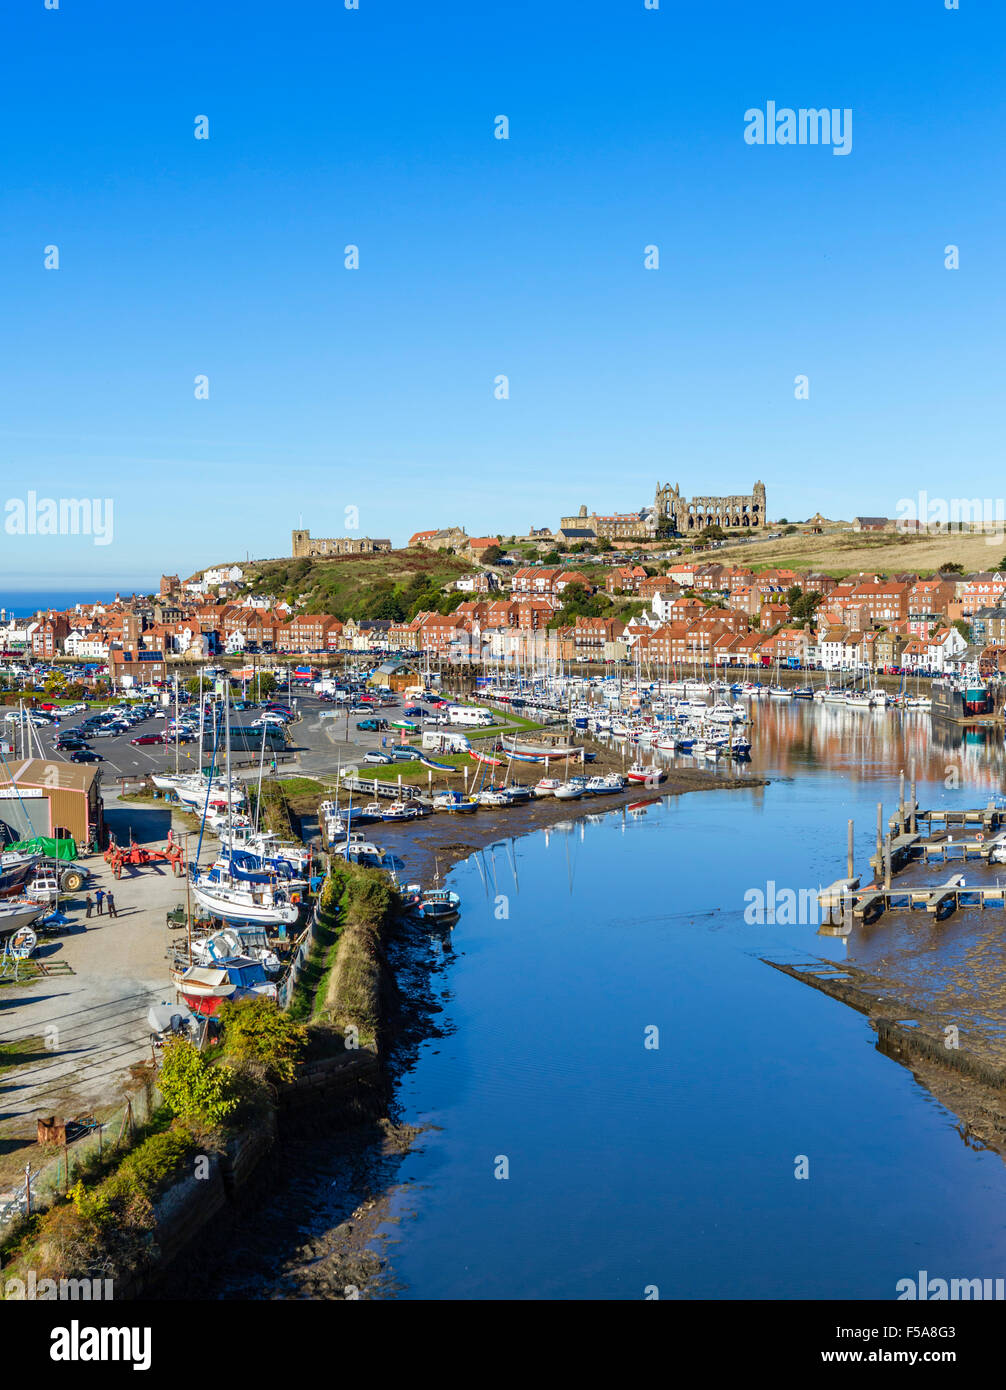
(393, 585)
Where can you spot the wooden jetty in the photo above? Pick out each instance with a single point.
(911, 835)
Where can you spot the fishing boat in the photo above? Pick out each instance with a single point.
(437, 905)
(400, 810)
(547, 786)
(454, 801)
(650, 776)
(492, 797)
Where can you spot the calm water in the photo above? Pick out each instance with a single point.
(674, 1167)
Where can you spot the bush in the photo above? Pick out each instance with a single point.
(255, 1030)
(192, 1087)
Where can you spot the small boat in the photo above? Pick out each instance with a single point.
(359, 850)
(204, 989)
(16, 913)
(516, 794)
(651, 776)
(547, 786)
(439, 905)
(454, 801)
(400, 810)
(568, 791)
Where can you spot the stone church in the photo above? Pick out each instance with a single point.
(731, 513)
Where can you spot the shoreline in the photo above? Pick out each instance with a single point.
(441, 841)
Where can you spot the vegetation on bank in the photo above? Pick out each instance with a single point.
(106, 1225)
(395, 585)
(365, 901)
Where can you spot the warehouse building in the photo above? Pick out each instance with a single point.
(51, 799)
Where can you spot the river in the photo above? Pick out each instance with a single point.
(569, 1151)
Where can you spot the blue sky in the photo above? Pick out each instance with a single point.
(374, 388)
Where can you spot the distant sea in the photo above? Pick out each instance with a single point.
(22, 604)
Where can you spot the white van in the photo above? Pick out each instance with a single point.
(443, 741)
(469, 715)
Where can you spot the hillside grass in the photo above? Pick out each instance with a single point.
(353, 586)
(847, 553)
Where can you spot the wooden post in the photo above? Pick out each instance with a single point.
(880, 834)
(901, 802)
(27, 1188)
(915, 803)
(887, 860)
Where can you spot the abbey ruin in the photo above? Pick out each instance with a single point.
(674, 512)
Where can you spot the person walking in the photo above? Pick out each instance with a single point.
(110, 900)
(99, 898)
(89, 901)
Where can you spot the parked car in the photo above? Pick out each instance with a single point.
(142, 740)
(85, 755)
(376, 756)
(415, 712)
(372, 726)
(404, 754)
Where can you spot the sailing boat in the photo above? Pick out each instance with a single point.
(571, 789)
(236, 901)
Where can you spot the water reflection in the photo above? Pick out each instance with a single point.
(673, 1166)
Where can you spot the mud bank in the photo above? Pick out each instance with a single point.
(962, 1076)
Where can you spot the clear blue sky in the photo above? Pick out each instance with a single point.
(374, 388)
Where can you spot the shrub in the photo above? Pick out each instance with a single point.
(192, 1087)
(255, 1030)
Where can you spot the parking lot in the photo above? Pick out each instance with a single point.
(321, 737)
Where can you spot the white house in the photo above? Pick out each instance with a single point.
(942, 650)
(223, 574)
(89, 645)
(661, 606)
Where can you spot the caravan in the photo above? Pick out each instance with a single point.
(469, 715)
